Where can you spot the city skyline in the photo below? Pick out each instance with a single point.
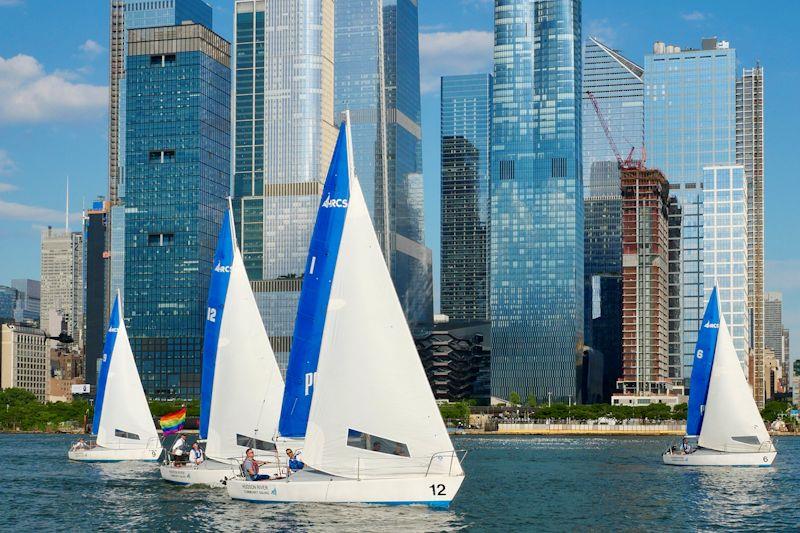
(77, 145)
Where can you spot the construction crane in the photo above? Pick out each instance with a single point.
(628, 162)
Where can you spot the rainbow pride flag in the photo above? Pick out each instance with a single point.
(173, 422)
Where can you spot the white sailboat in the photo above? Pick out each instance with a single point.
(242, 387)
(723, 417)
(122, 420)
(374, 432)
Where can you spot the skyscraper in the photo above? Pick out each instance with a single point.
(750, 153)
(411, 260)
(690, 123)
(177, 176)
(95, 231)
(28, 303)
(62, 282)
(360, 87)
(466, 121)
(284, 135)
(536, 265)
(725, 200)
(615, 83)
(773, 323)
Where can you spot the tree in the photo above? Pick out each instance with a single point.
(455, 411)
(15, 397)
(514, 398)
(531, 401)
(774, 410)
(797, 367)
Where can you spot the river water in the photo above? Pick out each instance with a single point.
(512, 484)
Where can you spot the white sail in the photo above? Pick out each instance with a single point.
(247, 383)
(370, 390)
(125, 421)
(732, 422)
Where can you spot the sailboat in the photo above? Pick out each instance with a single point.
(723, 417)
(242, 387)
(374, 433)
(122, 420)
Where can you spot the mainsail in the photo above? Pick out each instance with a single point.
(732, 422)
(314, 296)
(242, 385)
(372, 413)
(701, 369)
(122, 418)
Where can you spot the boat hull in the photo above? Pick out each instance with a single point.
(211, 473)
(432, 490)
(98, 454)
(705, 457)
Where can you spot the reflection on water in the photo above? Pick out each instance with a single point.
(513, 484)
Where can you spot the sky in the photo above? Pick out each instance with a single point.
(54, 119)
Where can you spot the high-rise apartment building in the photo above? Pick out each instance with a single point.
(645, 277)
(614, 84)
(750, 154)
(536, 242)
(725, 225)
(466, 120)
(28, 304)
(284, 133)
(24, 359)
(411, 261)
(360, 88)
(62, 283)
(176, 182)
(773, 324)
(95, 233)
(690, 123)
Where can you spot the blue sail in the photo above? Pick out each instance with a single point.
(703, 362)
(217, 293)
(313, 306)
(108, 351)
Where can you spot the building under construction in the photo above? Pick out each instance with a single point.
(645, 282)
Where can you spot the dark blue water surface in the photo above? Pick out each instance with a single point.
(513, 484)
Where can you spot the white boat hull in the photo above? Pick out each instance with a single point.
(98, 454)
(706, 457)
(432, 490)
(211, 473)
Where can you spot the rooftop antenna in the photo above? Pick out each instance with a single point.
(66, 213)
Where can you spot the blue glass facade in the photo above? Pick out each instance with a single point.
(153, 13)
(410, 260)
(466, 121)
(177, 179)
(359, 87)
(690, 123)
(536, 265)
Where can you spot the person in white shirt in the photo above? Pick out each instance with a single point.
(178, 455)
(196, 454)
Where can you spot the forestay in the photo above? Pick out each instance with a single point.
(373, 413)
(122, 418)
(242, 385)
(732, 422)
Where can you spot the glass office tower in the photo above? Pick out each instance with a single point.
(466, 120)
(284, 133)
(177, 178)
(616, 84)
(536, 265)
(359, 87)
(690, 123)
(410, 260)
(725, 250)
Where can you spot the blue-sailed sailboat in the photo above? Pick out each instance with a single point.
(723, 417)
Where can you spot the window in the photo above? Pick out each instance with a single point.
(161, 156)
(125, 435)
(160, 239)
(506, 170)
(559, 167)
(365, 441)
(256, 444)
(163, 59)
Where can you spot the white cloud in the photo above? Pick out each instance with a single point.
(7, 165)
(450, 53)
(33, 213)
(603, 30)
(694, 16)
(92, 48)
(29, 94)
(7, 187)
(4, 3)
